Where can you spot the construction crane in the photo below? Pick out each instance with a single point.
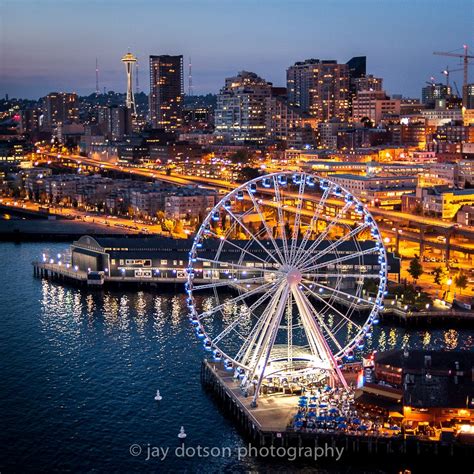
(457, 90)
(447, 72)
(465, 57)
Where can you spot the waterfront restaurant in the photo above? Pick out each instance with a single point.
(164, 259)
(435, 388)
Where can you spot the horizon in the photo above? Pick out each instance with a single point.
(221, 41)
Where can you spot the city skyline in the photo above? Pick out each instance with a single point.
(37, 43)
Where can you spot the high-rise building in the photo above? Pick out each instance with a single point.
(115, 121)
(166, 91)
(357, 70)
(434, 92)
(287, 124)
(368, 83)
(469, 94)
(120, 121)
(357, 66)
(59, 108)
(241, 108)
(30, 120)
(319, 88)
(374, 105)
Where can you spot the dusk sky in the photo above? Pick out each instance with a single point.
(52, 45)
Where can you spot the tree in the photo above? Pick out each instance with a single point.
(178, 227)
(438, 275)
(247, 173)
(418, 209)
(370, 285)
(160, 216)
(415, 269)
(461, 281)
(241, 157)
(366, 122)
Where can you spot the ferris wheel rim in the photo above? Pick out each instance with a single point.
(374, 303)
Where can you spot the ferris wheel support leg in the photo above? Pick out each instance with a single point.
(322, 345)
(276, 324)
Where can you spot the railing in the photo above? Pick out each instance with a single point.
(61, 270)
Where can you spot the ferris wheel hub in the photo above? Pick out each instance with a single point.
(294, 277)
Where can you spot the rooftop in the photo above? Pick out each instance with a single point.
(368, 178)
(434, 378)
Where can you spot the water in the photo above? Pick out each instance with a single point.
(80, 368)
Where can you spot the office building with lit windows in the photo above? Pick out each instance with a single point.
(469, 93)
(374, 105)
(240, 115)
(434, 92)
(59, 108)
(166, 91)
(320, 88)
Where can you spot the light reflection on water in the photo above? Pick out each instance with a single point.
(66, 309)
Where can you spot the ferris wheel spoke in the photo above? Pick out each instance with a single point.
(235, 323)
(264, 222)
(331, 306)
(227, 283)
(347, 296)
(340, 325)
(320, 319)
(316, 339)
(233, 244)
(281, 222)
(341, 275)
(247, 353)
(249, 350)
(232, 301)
(225, 265)
(314, 221)
(251, 235)
(325, 232)
(334, 245)
(344, 258)
(289, 330)
(270, 337)
(296, 225)
(234, 224)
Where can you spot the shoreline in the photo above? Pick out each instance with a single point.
(55, 230)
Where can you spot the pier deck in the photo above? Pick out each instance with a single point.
(273, 412)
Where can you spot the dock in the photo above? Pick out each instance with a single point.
(67, 274)
(268, 424)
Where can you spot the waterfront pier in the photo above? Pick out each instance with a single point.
(269, 424)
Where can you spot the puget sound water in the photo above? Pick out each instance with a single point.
(80, 369)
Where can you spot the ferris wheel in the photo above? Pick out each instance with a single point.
(278, 278)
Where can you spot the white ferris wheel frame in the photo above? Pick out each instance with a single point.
(292, 281)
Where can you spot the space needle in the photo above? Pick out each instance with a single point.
(130, 60)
